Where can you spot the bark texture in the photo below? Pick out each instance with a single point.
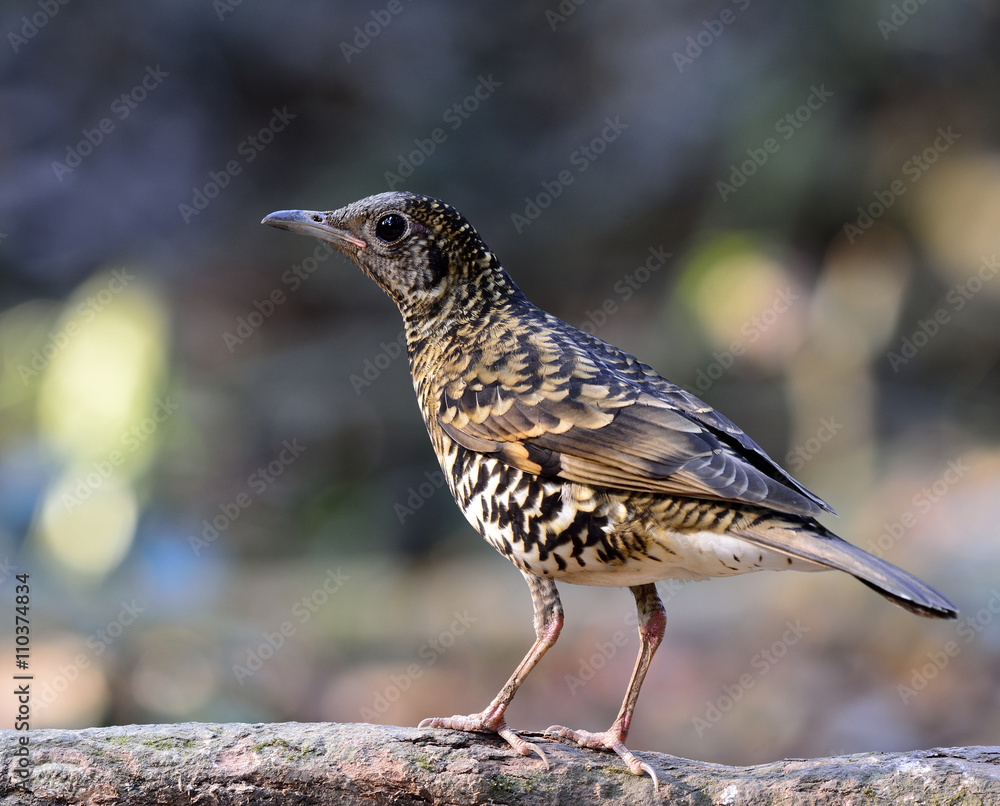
(295, 763)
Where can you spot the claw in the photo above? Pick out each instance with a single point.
(608, 740)
(652, 774)
(525, 748)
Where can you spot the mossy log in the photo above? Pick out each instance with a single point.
(292, 763)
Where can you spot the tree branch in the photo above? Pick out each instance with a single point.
(324, 763)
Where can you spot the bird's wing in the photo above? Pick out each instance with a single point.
(567, 411)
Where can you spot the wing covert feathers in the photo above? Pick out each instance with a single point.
(598, 416)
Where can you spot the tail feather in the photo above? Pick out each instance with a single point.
(807, 539)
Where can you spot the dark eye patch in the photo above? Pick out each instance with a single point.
(437, 265)
(390, 228)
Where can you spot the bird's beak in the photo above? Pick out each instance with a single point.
(309, 222)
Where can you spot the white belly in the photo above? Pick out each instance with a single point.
(693, 556)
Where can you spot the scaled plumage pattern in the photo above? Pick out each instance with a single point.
(573, 459)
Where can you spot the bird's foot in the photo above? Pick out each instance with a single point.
(489, 721)
(611, 739)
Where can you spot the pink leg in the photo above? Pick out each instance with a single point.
(652, 623)
(548, 623)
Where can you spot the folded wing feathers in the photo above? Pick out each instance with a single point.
(606, 419)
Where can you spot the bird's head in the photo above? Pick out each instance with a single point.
(421, 252)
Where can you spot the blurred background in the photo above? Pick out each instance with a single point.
(212, 466)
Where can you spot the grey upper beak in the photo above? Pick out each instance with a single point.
(310, 222)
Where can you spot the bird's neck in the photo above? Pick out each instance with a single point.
(468, 305)
(455, 335)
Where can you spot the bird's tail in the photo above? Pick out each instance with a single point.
(807, 539)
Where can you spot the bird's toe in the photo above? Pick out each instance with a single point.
(607, 740)
(487, 722)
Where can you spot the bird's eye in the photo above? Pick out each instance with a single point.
(390, 228)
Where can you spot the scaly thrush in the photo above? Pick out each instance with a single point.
(573, 459)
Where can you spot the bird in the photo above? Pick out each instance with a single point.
(572, 458)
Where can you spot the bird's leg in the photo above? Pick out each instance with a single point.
(652, 623)
(548, 623)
